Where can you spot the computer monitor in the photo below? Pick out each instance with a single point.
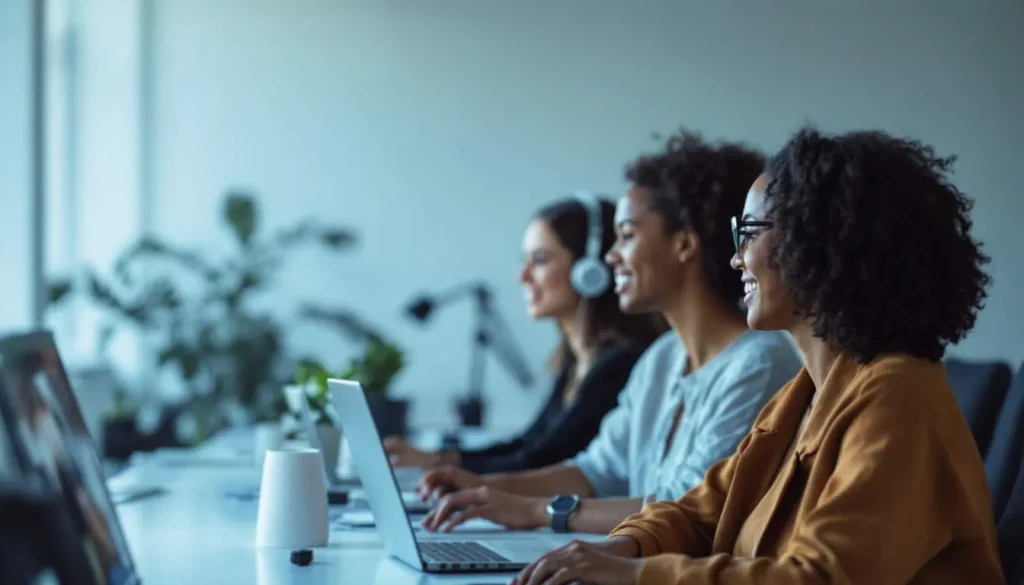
(38, 538)
(50, 439)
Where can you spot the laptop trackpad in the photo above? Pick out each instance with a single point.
(522, 550)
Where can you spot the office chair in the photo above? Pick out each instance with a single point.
(980, 388)
(1010, 530)
(1003, 460)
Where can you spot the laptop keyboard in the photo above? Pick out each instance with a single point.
(458, 553)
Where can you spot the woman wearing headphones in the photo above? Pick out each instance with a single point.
(565, 280)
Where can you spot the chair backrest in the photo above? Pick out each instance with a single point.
(1011, 532)
(1006, 452)
(979, 388)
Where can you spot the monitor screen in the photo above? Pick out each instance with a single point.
(52, 440)
(10, 467)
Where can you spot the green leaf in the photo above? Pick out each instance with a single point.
(185, 356)
(152, 248)
(106, 334)
(122, 407)
(241, 214)
(57, 289)
(380, 363)
(104, 296)
(295, 234)
(337, 238)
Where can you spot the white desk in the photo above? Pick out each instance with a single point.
(195, 533)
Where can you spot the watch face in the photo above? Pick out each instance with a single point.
(563, 503)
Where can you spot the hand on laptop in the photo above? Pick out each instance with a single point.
(402, 454)
(509, 510)
(445, 480)
(612, 562)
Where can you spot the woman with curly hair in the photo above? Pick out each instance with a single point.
(862, 470)
(692, 396)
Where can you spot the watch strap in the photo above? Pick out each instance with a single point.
(560, 519)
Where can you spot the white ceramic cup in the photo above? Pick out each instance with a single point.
(267, 436)
(293, 500)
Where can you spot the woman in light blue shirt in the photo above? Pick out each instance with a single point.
(692, 396)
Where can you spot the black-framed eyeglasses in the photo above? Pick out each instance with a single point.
(743, 230)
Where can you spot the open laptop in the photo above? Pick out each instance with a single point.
(337, 491)
(430, 555)
(51, 440)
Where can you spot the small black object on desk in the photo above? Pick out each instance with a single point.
(301, 557)
(336, 497)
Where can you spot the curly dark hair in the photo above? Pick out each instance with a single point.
(698, 186)
(874, 242)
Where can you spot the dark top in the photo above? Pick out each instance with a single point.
(562, 430)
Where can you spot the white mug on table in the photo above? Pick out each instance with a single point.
(293, 500)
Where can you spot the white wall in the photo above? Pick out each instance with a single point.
(437, 127)
(15, 170)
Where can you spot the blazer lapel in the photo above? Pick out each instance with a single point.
(777, 475)
(762, 462)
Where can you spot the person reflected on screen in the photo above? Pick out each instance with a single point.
(68, 460)
(863, 470)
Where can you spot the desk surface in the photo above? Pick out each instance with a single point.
(196, 532)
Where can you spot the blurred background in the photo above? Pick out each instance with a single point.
(200, 197)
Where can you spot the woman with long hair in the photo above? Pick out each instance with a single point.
(564, 280)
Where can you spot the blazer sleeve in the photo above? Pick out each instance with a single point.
(688, 525)
(882, 514)
(547, 444)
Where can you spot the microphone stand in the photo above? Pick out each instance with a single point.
(490, 333)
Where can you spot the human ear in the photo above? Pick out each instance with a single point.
(687, 245)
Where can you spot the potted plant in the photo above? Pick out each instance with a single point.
(375, 370)
(120, 433)
(312, 379)
(202, 316)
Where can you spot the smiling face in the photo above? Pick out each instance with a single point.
(545, 274)
(769, 305)
(645, 256)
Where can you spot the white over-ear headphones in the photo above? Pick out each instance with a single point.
(590, 276)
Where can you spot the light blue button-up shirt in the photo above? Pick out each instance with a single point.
(720, 402)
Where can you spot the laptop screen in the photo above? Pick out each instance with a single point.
(51, 439)
(10, 466)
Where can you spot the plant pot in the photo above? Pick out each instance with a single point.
(121, 438)
(266, 436)
(471, 412)
(330, 443)
(389, 415)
